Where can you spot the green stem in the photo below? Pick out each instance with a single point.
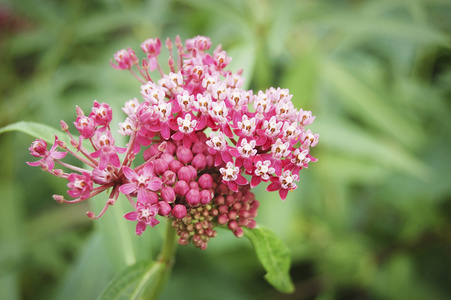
(165, 261)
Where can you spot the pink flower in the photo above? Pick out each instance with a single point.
(218, 147)
(152, 47)
(142, 183)
(39, 149)
(283, 184)
(145, 215)
(80, 185)
(186, 131)
(107, 152)
(85, 126)
(262, 172)
(101, 113)
(125, 59)
(232, 177)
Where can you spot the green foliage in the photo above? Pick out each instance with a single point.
(370, 219)
(132, 282)
(274, 256)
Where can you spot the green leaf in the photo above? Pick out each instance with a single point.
(37, 130)
(77, 283)
(274, 256)
(132, 282)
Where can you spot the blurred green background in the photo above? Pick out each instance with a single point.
(370, 220)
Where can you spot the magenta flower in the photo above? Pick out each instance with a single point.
(262, 171)
(85, 126)
(218, 147)
(186, 131)
(80, 185)
(152, 47)
(39, 149)
(142, 183)
(283, 184)
(107, 152)
(231, 176)
(125, 59)
(101, 113)
(145, 215)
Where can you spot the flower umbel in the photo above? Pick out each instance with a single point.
(198, 181)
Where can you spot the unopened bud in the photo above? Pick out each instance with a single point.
(64, 126)
(179, 211)
(58, 198)
(165, 208)
(193, 197)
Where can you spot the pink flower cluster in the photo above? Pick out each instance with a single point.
(203, 143)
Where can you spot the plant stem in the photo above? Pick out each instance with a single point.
(166, 260)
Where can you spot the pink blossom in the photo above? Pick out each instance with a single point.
(80, 185)
(142, 183)
(107, 152)
(263, 170)
(101, 113)
(283, 184)
(125, 59)
(232, 177)
(39, 149)
(218, 147)
(145, 215)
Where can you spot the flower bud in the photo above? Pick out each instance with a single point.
(175, 165)
(220, 200)
(168, 177)
(165, 208)
(251, 224)
(168, 194)
(194, 185)
(170, 148)
(199, 147)
(179, 211)
(206, 181)
(199, 161)
(223, 219)
(64, 126)
(222, 189)
(210, 160)
(184, 155)
(232, 215)
(223, 209)
(181, 187)
(233, 225)
(193, 197)
(58, 198)
(185, 174)
(160, 166)
(229, 200)
(167, 157)
(238, 232)
(205, 197)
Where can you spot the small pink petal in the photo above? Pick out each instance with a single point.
(127, 188)
(131, 216)
(283, 193)
(273, 187)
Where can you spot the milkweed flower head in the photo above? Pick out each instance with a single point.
(203, 143)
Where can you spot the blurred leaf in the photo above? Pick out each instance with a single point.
(369, 105)
(348, 138)
(273, 255)
(37, 130)
(88, 275)
(132, 282)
